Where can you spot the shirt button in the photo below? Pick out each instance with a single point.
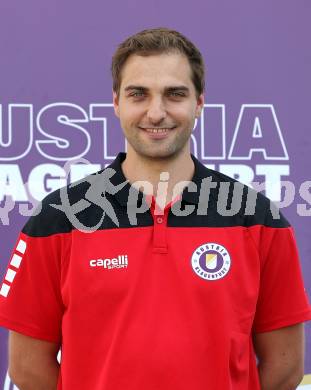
(159, 220)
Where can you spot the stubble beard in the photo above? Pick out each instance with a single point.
(160, 149)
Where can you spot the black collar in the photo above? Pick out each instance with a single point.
(200, 172)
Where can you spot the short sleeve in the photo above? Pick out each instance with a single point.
(30, 294)
(282, 298)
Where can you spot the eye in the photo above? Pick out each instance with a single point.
(177, 94)
(137, 94)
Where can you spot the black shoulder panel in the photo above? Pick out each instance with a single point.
(50, 217)
(222, 201)
(89, 204)
(256, 208)
(96, 202)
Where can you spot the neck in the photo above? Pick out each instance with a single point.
(165, 188)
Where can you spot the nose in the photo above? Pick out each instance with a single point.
(156, 112)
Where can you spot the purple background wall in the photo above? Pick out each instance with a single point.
(256, 54)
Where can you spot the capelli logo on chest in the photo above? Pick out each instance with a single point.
(120, 261)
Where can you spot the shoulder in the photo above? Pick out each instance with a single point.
(243, 204)
(52, 216)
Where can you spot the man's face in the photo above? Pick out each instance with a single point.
(157, 104)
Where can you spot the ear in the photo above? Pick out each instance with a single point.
(200, 105)
(115, 100)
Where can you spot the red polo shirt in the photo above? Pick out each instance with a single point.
(168, 302)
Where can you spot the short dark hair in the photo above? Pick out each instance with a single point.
(157, 41)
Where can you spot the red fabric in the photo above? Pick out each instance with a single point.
(156, 324)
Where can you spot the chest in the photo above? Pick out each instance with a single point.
(186, 271)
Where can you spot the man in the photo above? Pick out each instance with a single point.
(170, 290)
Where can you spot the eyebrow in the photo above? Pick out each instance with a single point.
(166, 89)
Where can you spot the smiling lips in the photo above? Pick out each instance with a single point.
(157, 130)
(157, 133)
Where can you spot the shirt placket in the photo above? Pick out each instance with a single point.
(159, 228)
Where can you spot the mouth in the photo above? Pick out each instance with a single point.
(157, 133)
(157, 130)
